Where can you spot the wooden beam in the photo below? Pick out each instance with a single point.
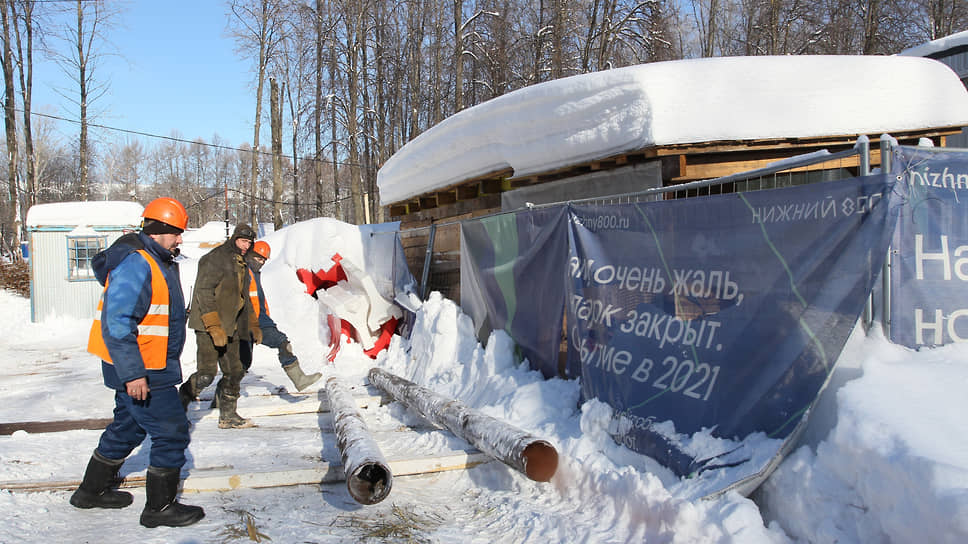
(201, 480)
(491, 186)
(199, 410)
(467, 192)
(34, 427)
(447, 197)
(428, 202)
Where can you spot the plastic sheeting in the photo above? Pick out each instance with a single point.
(725, 312)
(929, 276)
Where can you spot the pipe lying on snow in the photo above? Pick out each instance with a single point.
(535, 458)
(368, 476)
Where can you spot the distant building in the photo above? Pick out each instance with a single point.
(953, 51)
(63, 238)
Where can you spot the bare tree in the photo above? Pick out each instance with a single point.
(257, 31)
(275, 116)
(10, 118)
(24, 34)
(87, 43)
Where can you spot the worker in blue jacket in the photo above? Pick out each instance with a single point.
(271, 335)
(139, 333)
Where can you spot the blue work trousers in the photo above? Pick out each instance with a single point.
(271, 337)
(161, 417)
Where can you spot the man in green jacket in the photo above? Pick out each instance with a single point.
(220, 316)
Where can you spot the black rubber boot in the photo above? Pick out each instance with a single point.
(228, 418)
(218, 393)
(96, 490)
(161, 508)
(186, 393)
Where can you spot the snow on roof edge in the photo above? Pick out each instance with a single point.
(90, 213)
(937, 46)
(580, 118)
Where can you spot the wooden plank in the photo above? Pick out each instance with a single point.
(201, 480)
(710, 170)
(447, 197)
(491, 186)
(325, 473)
(196, 411)
(467, 192)
(247, 408)
(35, 427)
(484, 205)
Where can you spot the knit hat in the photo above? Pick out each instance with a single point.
(153, 226)
(243, 231)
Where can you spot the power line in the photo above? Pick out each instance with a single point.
(191, 142)
(217, 194)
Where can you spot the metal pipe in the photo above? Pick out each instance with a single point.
(535, 458)
(887, 156)
(863, 146)
(425, 275)
(368, 476)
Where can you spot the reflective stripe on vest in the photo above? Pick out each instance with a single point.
(153, 328)
(254, 295)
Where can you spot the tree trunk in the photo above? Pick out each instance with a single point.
(296, 212)
(337, 212)
(318, 111)
(352, 94)
(458, 56)
(26, 67)
(82, 80)
(10, 122)
(275, 125)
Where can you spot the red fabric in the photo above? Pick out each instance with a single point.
(386, 334)
(334, 337)
(322, 279)
(348, 330)
(308, 279)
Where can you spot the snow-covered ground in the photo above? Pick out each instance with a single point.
(894, 468)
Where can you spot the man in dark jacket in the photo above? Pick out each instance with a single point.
(139, 335)
(220, 315)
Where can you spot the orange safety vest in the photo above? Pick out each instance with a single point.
(254, 294)
(153, 328)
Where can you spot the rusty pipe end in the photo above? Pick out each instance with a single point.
(370, 483)
(540, 461)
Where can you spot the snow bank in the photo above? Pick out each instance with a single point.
(630, 501)
(895, 466)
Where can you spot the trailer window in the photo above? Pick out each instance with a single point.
(80, 251)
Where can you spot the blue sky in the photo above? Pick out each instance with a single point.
(173, 72)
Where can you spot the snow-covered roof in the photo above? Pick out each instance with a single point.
(937, 46)
(91, 214)
(581, 118)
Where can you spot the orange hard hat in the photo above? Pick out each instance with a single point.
(262, 249)
(167, 210)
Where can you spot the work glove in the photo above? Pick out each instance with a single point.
(214, 328)
(254, 329)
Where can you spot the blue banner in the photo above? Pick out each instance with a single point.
(724, 312)
(513, 279)
(929, 273)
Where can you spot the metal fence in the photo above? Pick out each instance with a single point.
(439, 270)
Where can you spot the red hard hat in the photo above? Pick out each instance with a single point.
(261, 248)
(167, 210)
